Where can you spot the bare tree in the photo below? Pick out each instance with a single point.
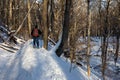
(65, 30)
(10, 12)
(105, 39)
(45, 22)
(29, 18)
(88, 35)
(117, 28)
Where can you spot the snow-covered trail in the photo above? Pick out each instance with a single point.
(39, 64)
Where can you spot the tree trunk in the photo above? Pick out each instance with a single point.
(10, 12)
(88, 36)
(105, 40)
(65, 29)
(117, 48)
(29, 18)
(45, 23)
(6, 12)
(117, 34)
(51, 16)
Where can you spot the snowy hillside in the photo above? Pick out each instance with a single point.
(37, 64)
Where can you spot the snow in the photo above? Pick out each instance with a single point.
(112, 71)
(30, 63)
(38, 64)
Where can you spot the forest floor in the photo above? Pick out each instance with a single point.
(112, 71)
(30, 63)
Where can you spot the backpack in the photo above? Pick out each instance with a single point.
(35, 33)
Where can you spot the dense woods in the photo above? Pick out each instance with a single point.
(73, 18)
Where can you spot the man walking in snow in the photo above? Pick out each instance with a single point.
(35, 35)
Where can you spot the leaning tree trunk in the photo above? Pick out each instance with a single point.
(65, 30)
